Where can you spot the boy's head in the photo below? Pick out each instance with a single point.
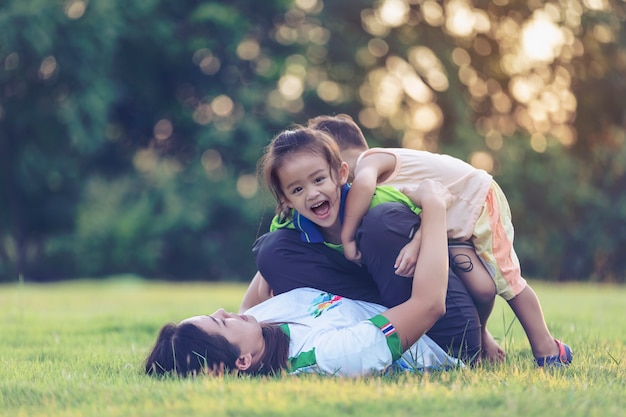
(346, 133)
(343, 129)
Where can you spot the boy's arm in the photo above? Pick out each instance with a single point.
(360, 196)
(257, 292)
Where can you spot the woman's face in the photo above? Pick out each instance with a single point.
(243, 331)
(309, 187)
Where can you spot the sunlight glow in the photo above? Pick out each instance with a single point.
(394, 13)
(163, 130)
(432, 13)
(369, 118)
(248, 50)
(203, 114)
(48, 67)
(286, 35)
(460, 19)
(208, 63)
(75, 9)
(145, 160)
(538, 142)
(211, 160)
(524, 89)
(534, 53)
(247, 185)
(597, 4)
(427, 118)
(541, 38)
(308, 5)
(222, 106)
(428, 65)
(329, 91)
(372, 24)
(482, 160)
(377, 47)
(416, 89)
(389, 95)
(290, 86)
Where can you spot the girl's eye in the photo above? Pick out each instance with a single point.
(319, 179)
(297, 190)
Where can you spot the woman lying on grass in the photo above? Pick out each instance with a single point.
(306, 330)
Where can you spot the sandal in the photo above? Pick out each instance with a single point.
(563, 359)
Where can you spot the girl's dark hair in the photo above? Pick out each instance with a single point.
(186, 350)
(288, 143)
(342, 128)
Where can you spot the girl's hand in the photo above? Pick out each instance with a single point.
(351, 252)
(407, 258)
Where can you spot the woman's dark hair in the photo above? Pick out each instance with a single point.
(186, 350)
(288, 143)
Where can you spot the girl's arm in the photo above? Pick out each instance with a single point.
(366, 175)
(415, 316)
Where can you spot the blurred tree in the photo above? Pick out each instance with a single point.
(129, 135)
(129, 132)
(53, 107)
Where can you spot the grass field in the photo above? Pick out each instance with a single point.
(76, 349)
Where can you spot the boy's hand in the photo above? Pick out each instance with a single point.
(351, 252)
(407, 258)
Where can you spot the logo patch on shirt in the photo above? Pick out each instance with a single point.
(324, 302)
(388, 329)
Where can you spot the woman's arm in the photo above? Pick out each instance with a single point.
(257, 292)
(426, 305)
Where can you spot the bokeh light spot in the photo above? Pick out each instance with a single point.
(247, 185)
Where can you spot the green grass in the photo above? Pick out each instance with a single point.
(76, 349)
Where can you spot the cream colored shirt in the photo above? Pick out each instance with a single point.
(468, 185)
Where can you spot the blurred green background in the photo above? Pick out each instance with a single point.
(130, 131)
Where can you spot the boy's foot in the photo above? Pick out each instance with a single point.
(491, 350)
(564, 357)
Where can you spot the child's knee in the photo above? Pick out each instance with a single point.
(484, 293)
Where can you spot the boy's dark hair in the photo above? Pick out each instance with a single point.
(342, 128)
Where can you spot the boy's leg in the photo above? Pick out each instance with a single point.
(528, 311)
(482, 288)
(384, 231)
(493, 239)
(286, 262)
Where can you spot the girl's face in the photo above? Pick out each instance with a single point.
(309, 187)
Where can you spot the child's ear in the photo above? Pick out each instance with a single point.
(287, 203)
(344, 173)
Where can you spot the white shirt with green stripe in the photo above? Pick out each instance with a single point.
(333, 335)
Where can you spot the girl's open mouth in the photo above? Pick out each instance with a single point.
(321, 209)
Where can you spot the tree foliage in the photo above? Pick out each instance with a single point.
(129, 132)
